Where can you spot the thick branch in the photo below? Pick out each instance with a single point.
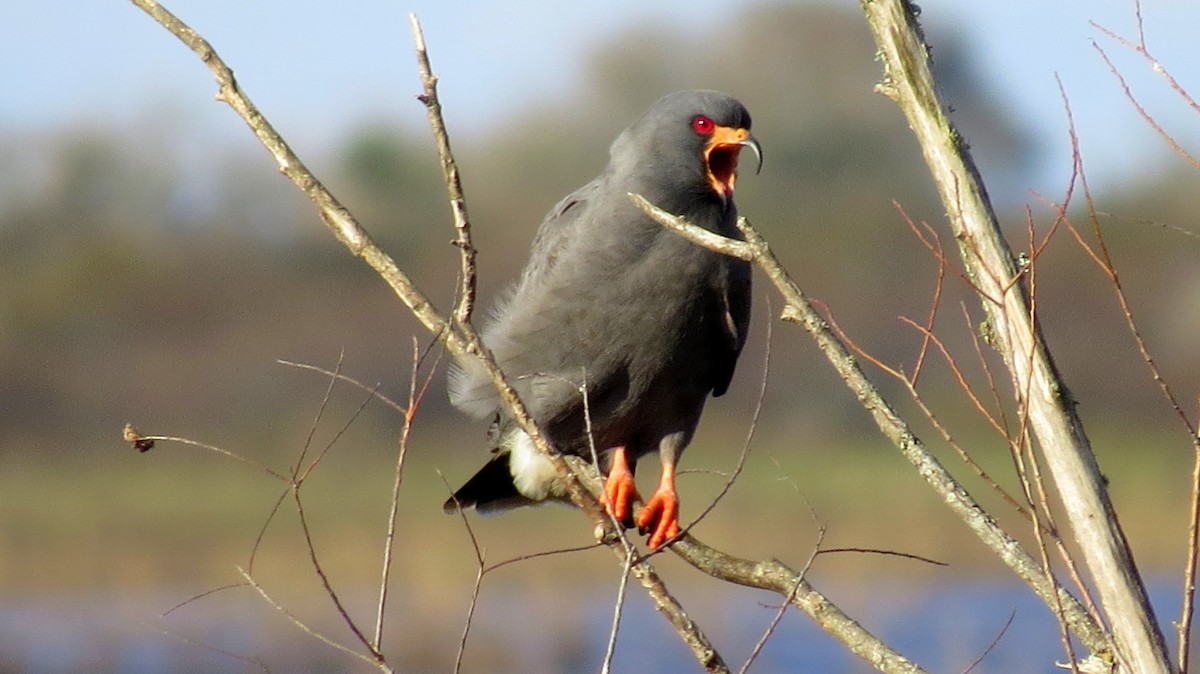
(777, 577)
(987, 258)
(798, 310)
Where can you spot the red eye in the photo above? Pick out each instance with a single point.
(703, 125)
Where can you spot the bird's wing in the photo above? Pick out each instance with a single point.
(556, 230)
(736, 322)
(514, 316)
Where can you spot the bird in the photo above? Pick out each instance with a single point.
(618, 330)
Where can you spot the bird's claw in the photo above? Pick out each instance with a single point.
(660, 518)
(620, 491)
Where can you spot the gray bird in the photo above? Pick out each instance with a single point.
(613, 306)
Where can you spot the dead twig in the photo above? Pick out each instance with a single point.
(291, 617)
(415, 396)
(465, 304)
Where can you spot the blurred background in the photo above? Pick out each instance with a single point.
(154, 266)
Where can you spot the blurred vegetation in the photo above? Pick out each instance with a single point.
(134, 287)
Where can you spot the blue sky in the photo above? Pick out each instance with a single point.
(319, 68)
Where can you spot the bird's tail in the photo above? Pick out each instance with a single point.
(491, 490)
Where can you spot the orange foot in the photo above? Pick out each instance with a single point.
(620, 491)
(660, 517)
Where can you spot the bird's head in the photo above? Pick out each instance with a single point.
(689, 141)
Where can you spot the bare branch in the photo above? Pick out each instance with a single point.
(787, 600)
(341, 223)
(610, 648)
(316, 423)
(777, 577)
(889, 553)
(308, 630)
(539, 555)
(337, 436)
(999, 636)
(139, 441)
(415, 397)
(327, 584)
(693, 233)
(1141, 110)
(458, 203)
(987, 258)
(374, 390)
(262, 531)
(198, 597)
(249, 660)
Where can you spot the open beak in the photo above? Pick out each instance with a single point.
(721, 157)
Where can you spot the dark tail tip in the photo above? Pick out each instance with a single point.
(491, 489)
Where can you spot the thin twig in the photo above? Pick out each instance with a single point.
(304, 626)
(315, 562)
(539, 555)
(787, 601)
(1155, 64)
(466, 633)
(1003, 630)
(374, 390)
(262, 531)
(337, 436)
(202, 595)
(249, 660)
(1187, 612)
(465, 304)
(218, 450)
(410, 414)
(479, 574)
(887, 553)
(316, 423)
(934, 244)
(1141, 110)
(1042, 504)
(610, 648)
(586, 400)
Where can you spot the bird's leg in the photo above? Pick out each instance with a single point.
(661, 515)
(620, 491)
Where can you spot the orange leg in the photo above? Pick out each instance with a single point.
(620, 491)
(661, 515)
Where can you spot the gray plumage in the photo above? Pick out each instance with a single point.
(650, 321)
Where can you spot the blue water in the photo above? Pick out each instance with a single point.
(943, 627)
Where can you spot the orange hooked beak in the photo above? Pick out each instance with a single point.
(721, 157)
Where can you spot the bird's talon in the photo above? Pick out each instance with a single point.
(620, 490)
(660, 517)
